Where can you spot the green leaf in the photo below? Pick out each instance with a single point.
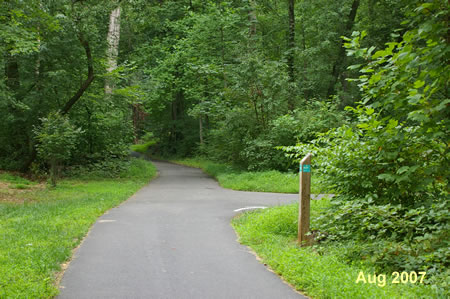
(419, 84)
(403, 169)
(387, 177)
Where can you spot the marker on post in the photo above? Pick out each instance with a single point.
(304, 204)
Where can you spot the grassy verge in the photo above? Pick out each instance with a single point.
(262, 181)
(271, 233)
(143, 147)
(40, 226)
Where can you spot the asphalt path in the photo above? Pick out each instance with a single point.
(173, 239)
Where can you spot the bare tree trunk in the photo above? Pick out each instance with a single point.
(113, 46)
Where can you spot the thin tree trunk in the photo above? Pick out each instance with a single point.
(11, 65)
(113, 46)
(222, 54)
(12, 72)
(173, 136)
(341, 55)
(252, 19)
(89, 79)
(53, 173)
(291, 53)
(306, 92)
(200, 127)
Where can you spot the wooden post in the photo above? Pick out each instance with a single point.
(304, 204)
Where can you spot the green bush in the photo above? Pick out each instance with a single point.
(390, 167)
(57, 138)
(108, 168)
(241, 142)
(397, 238)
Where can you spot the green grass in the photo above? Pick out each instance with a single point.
(262, 181)
(15, 179)
(272, 232)
(20, 186)
(142, 148)
(38, 236)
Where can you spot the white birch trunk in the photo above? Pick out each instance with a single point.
(113, 46)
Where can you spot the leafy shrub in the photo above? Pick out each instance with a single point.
(316, 117)
(57, 139)
(243, 143)
(108, 168)
(396, 237)
(391, 166)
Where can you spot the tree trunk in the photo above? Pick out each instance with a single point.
(222, 54)
(12, 72)
(252, 19)
(341, 55)
(113, 46)
(307, 91)
(291, 53)
(200, 127)
(87, 82)
(53, 173)
(11, 65)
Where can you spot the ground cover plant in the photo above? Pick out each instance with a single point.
(40, 227)
(321, 271)
(260, 181)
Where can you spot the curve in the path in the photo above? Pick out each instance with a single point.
(173, 239)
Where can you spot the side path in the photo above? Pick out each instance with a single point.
(173, 239)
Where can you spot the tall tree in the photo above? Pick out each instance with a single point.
(291, 52)
(90, 75)
(339, 62)
(113, 45)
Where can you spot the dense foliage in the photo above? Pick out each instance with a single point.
(57, 139)
(232, 81)
(218, 78)
(53, 55)
(228, 79)
(390, 166)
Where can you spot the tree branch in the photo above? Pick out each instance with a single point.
(89, 79)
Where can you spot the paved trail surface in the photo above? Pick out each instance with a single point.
(173, 239)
